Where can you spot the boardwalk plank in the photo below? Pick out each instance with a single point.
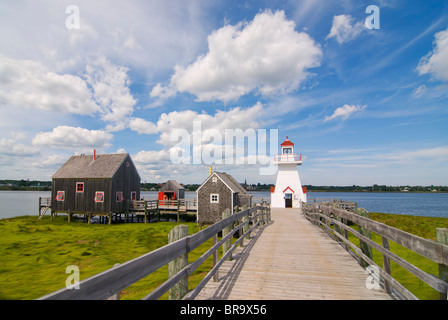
(291, 259)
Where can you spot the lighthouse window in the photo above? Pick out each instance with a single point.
(214, 198)
(287, 150)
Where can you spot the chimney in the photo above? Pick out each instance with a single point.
(94, 154)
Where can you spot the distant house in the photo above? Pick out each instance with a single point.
(218, 192)
(172, 190)
(98, 184)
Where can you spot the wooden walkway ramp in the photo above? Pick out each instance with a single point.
(291, 259)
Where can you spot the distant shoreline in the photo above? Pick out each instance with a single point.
(40, 189)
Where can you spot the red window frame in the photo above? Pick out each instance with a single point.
(79, 187)
(99, 196)
(133, 195)
(60, 195)
(120, 197)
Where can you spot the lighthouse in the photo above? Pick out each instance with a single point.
(288, 191)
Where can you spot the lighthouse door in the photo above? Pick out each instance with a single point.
(288, 200)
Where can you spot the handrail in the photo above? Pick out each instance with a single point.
(109, 282)
(324, 215)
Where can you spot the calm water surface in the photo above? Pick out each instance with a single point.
(21, 203)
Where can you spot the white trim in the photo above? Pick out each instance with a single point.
(214, 195)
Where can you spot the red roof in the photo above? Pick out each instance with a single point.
(287, 142)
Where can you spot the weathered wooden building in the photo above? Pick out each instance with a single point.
(171, 190)
(218, 192)
(98, 184)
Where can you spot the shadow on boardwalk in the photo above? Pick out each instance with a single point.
(291, 259)
(230, 270)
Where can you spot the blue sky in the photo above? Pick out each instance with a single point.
(363, 105)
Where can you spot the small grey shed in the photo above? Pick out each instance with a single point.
(218, 192)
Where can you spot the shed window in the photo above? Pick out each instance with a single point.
(60, 196)
(99, 196)
(214, 179)
(214, 198)
(133, 195)
(120, 196)
(80, 187)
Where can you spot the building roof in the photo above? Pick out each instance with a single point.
(287, 143)
(84, 166)
(228, 180)
(172, 185)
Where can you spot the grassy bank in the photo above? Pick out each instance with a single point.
(35, 254)
(424, 227)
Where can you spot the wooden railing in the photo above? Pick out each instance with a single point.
(326, 216)
(110, 282)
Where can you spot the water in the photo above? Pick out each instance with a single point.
(21, 203)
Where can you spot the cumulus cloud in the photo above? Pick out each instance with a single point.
(74, 138)
(265, 55)
(110, 85)
(28, 84)
(142, 126)
(436, 61)
(236, 118)
(10, 147)
(345, 29)
(344, 112)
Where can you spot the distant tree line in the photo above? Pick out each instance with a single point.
(154, 186)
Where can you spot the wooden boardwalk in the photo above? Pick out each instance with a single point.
(291, 259)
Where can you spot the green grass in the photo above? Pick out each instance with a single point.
(424, 227)
(35, 254)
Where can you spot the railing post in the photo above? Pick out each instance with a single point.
(386, 264)
(241, 231)
(227, 244)
(366, 249)
(146, 210)
(246, 226)
(215, 259)
(442, 237)
(180, 289)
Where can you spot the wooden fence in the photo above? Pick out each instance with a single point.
(336, 221)
(110, 282)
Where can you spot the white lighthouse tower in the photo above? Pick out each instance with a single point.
(288, 192)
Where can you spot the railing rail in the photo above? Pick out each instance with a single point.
(288, 157)
(112, 281)
(324, 215)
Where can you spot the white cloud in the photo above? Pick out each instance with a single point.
(10, 147)
(344, 28)
(142, 126)
(344, 112)
(436, 62)
(265, 55)
(30, 85)
(73, 138)
(110, 84)
(236, 118)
